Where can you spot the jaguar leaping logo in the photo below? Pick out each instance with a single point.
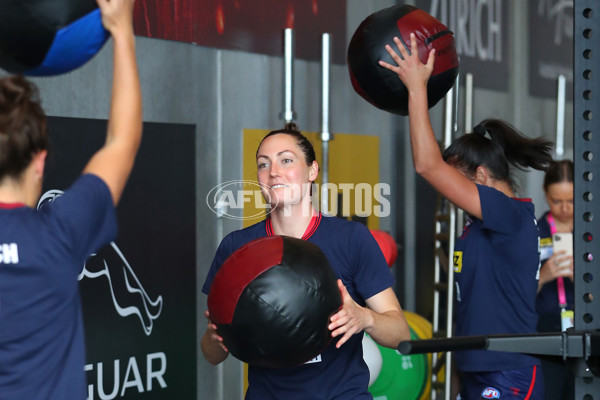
(128, 295)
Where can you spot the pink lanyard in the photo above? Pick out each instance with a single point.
(560, 283)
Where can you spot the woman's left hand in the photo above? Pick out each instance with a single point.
(351, 319)
(411, 71)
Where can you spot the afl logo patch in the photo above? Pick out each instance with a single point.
(490, 393)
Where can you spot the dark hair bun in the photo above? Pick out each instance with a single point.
(291, 127)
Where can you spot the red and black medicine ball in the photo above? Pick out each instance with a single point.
(49, 37)
(272, 300)
(380, 86)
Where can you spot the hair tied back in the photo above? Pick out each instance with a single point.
(480, 130)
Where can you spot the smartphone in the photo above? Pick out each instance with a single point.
(563, 241)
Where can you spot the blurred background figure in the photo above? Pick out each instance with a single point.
(555, 293)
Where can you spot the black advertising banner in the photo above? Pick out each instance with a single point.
(550, 46)
(138, 292)
(481, 31)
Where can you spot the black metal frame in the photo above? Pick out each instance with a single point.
(586, 154)
(586, 104)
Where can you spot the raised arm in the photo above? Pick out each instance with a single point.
(114, 161)
(427, 157)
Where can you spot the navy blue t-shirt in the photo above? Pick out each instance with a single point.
(42, 352)
(496, 262)
(547, 298)
(340, 373)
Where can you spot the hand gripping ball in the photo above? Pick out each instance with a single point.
(272, 300)
(49, 37)
(380, 86)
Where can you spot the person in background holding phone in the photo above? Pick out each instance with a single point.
(555, 298)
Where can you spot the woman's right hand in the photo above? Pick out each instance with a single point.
(211, 331)
(559, 264)
(212, 346)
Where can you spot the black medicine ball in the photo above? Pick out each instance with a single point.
(272, 300)
(380, 86)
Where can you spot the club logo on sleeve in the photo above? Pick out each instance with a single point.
(458, 256)
(490, 393)
(466, 228)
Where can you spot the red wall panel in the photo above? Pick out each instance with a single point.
(248, 25)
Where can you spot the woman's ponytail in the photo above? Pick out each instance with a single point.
(520, 151)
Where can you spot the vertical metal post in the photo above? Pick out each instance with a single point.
(446, 213)
(468, 102)
(455, 107)
(448, 117)
(288, 114)
(586, 157)
(449, 130)
(560, 116)
(468, 127)
(326, 135)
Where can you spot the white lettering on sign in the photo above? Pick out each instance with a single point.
(131, 380)
(477, 26)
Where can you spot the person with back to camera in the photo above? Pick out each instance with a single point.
(555, 299)
(42, 350)
(496, 259)
(287, 167)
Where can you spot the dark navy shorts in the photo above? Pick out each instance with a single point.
(522, 384)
